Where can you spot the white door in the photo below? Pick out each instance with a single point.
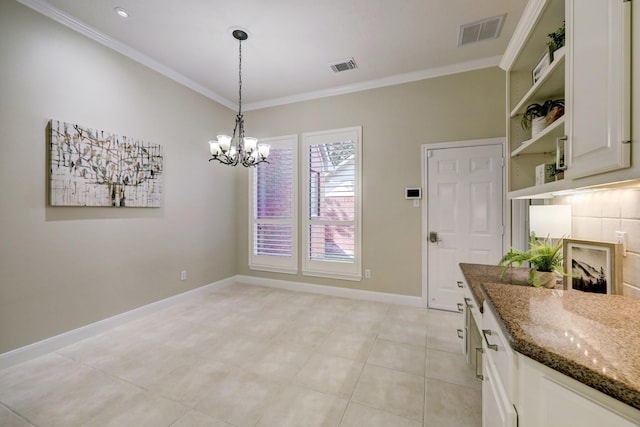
(464, 216)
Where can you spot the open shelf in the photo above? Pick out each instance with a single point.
(549, 85)
(544, 142)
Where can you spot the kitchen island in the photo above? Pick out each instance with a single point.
(591, 338)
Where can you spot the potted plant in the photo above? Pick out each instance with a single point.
(539, 116)
(556, 41)
(544, 257)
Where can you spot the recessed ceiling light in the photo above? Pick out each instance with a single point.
(122, 12)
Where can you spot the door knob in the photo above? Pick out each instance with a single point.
(433, 236)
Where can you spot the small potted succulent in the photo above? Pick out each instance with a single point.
(556, 41)
(539, 116)
(544, 257)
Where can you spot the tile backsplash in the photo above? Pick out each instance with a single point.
(598, 215)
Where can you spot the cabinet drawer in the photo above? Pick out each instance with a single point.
(498, 351)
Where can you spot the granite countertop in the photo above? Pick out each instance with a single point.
(592, 338)
(476, 274)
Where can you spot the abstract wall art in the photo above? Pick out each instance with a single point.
(90, 167)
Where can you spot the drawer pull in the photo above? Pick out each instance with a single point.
(479, 377)
(467, 301)
(460, 284)
(460, 307)
(486, 332)
(460, 333)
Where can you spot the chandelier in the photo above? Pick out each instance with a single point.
(246, 149)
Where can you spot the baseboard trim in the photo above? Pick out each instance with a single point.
(54, 343)
(57, 342)
(334, 291)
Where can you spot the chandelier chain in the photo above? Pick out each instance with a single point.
(240, 78)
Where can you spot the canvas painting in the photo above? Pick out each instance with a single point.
(90, 167)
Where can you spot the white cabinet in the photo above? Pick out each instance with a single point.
(551, 399)
(598, 94)
(518, 391)
(499, 373)
(469, 333)
(497, 409)
(498, 351)
(594, 78)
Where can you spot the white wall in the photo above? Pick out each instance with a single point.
(598, 215)
(62, 268)
(396, 121)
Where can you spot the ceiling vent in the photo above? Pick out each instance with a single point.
(485, 29)
(343, 65)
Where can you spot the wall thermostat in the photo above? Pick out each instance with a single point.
(413, 193)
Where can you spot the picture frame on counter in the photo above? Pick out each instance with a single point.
(540, 67)
(593, 266)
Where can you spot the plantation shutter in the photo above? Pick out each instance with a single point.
(331, 201)
(273, 209)
(332, 204)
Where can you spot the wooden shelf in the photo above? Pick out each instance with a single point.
(544, 142)
(549, 85)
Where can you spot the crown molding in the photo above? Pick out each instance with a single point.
(530, 17)
(69, 21)
(373, 84)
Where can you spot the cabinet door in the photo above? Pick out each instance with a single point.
(497, 410)
(560, 407)
(598, 86)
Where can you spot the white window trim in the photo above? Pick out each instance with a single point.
(287, 265)
(332, 269)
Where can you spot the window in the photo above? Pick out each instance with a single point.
(332, 187)
(273, 207)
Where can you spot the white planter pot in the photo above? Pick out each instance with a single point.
(558, 52)
(537, 125)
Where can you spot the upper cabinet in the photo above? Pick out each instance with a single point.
(584, 87)
(598, 86)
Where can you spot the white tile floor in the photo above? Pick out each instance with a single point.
(254, 356)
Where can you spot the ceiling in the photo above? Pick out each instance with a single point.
(291, 42)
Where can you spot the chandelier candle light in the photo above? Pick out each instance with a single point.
(246, 151)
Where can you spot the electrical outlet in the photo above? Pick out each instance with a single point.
(183, 275)
(367, 273)
(621, 237)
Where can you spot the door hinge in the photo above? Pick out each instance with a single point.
(429, 153)
(502, 162)
(502, 230)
